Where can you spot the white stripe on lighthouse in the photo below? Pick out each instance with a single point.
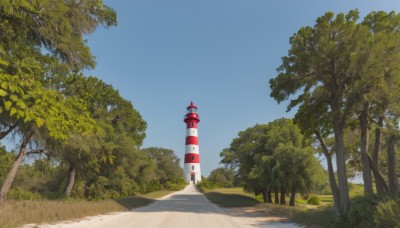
(192, 149)
(191, 132)
(192, 167)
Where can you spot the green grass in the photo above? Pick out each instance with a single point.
(231, 197)
(313, 216)
(17, 213)
(322, 216)
(318, 217)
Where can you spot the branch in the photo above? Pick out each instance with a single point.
(323, 145)
(38, 151)
(378, 174)
(5, 133)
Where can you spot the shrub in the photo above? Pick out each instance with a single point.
(314, 200)
(388, 214)
(205, 184)
(171, 186)
(361, 212)
(22, 194)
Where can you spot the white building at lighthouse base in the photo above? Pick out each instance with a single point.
(191, 172)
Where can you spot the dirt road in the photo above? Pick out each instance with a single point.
(186, 208)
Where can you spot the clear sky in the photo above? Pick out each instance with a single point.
(218, 53)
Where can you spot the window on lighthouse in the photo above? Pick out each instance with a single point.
(192, 158)
(192, 167)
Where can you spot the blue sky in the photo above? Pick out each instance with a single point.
(218, 53)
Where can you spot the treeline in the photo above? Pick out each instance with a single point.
(275, 159)
(89, 135)
(343, 76)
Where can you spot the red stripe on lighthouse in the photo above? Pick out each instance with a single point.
(192, 158)
(192, 140)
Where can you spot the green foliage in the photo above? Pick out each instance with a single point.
(6, 160)
(362, 211)
(222, 177)
(336, 71)
(314, 200)
(21, 194)
(205, 185)
(388, 214)
(274, 156)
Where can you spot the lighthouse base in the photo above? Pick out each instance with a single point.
(191, 172)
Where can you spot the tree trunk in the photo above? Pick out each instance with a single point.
(292, 195)
(379, 177)
(367, 177)
(391, 157)
(331, 173)
(14, 168)
(343, 188)
(269, 196)
(276, 196)
(375, 158)
(71, 181)
(283, 193)
(265, 196)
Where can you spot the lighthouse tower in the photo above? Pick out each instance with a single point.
(191, 169)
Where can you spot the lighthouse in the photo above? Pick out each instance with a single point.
(191, 169)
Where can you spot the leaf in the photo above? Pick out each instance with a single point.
(3, 93)
(7, 105)
(13, 97)
(13, 111)
(4, 63)
(39, 122)
(4, 85)
(21, 104)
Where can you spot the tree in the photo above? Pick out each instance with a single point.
(222, 177)
(120, 129)
(38, 112)
(319, 69)
(273, 158)
(31, 109)
(168, 168)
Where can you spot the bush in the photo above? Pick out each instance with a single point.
(205, 184)
(171, 186)
(22, 194)
(361, 212)
(314, 200)
(388, 214)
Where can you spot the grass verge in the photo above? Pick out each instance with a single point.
(318, 217)
(18, 213)
(322, 216)
(231, 197)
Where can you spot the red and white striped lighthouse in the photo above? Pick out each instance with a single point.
(191, 168)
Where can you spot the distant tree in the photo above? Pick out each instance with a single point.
(222, 177)
(273, 158)
(168, 167)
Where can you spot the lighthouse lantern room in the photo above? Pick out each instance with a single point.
(191, 169)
